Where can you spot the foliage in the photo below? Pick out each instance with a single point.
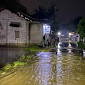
(15, 64)
(81, 28)
(81, 45)
(18, 63)
(76, 20)
(26, 57)
(30, 56)
(3, 73)
(7, 67)
(33, 48)
(22, 57)
(47, 15)
(45, 49)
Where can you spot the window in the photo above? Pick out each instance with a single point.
(16, 34)
(15, 24)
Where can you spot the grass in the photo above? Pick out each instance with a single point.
(22, 57)
(18, 63)
(33, 48)
(29, 56)
(45, 49)
(7, 67)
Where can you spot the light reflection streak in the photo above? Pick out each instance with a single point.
(45, 69)
(84, 53)
(59, 65)
(59, 53)
(69, 48)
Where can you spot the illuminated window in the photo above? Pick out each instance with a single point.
(16, 34)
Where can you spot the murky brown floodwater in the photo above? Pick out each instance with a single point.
(9, 55)
(67, 67)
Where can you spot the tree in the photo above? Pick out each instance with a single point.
(81, 28)
(40, 14)
(47, 16)
(43, 14)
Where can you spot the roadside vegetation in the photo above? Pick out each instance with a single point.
(81, 32)
(81, 45)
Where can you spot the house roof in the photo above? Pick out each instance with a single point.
(23, 15)
(26, 16)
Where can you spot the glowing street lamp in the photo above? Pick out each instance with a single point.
(70, 34)
(59, 33)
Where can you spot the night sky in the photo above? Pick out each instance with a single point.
(68, 9)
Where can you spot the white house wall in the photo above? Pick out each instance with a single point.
(7, 32)
(36, 30)
(6, 17)
(3, 32)
(23, 37)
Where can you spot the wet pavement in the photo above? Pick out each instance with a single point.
(66, 66)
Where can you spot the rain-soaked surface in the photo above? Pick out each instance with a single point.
(66, 67)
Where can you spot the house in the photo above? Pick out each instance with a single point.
(13, 29)
(19, 30)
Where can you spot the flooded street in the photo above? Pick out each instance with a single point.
(66, 66)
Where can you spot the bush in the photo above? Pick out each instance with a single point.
(33, 48)
(18, 63)
(30, 56)
(7, 67)
(22, 57)
(81, 45)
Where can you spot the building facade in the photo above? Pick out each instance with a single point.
(13, 29)
(16, 30)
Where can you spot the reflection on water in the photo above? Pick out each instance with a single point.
(59, 53)
(84, 53)
(65, 68)
(9, 55)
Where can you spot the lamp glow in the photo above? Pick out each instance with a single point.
(70, 34)
(59, 33)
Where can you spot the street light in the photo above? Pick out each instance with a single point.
(70, 34)
(59, 33)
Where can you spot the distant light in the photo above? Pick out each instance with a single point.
(59, 33)
(70, 34)
(62, 35)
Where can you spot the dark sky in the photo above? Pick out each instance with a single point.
(68, 9)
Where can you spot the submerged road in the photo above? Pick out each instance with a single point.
(67, 67)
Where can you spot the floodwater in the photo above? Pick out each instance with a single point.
(9, 55)
(66, 67)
